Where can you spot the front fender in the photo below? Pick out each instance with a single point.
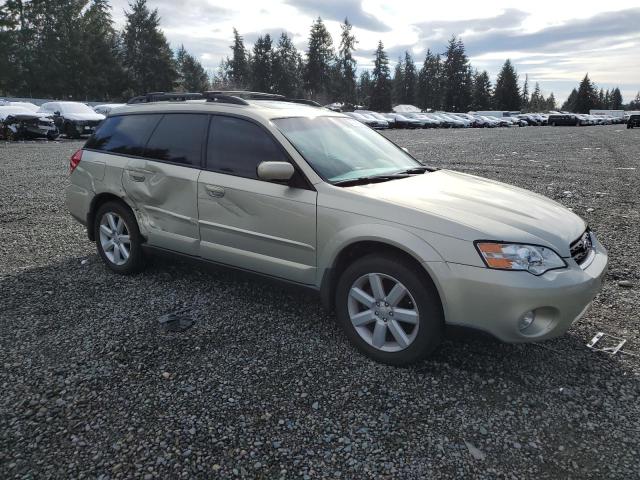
(400, 238)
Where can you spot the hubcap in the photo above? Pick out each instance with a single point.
(114, 238)
(383, 312)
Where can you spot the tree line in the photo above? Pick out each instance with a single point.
(71, 49)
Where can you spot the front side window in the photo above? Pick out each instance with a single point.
(237, 147)
(178, 138)
(125, 134)
(341, 148)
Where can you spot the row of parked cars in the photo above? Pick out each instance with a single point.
(465, 120)
(25, 120)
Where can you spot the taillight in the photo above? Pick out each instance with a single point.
(75, 160)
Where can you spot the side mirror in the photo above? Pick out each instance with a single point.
(405, 149)
(56, 113)
(279, 171)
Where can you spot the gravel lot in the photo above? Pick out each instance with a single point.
(264, 385)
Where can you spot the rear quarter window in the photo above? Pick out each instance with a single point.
(124, 134)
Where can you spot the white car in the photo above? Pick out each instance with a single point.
(72, 118)
(106, 108)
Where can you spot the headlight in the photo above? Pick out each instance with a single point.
(514, 256)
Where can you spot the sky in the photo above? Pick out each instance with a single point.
(553, 42)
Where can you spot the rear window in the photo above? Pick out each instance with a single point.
(126, 134)
(178, 138)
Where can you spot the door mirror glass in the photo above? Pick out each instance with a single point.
(279, 171)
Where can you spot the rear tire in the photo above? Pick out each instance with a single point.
(399, 319)
(118, 238)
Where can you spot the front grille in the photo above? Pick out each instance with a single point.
(582, 247)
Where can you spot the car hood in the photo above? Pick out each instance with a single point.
(488, 209)
(84, 116)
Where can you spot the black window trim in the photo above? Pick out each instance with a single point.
(205, 146)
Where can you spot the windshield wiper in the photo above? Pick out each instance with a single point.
(415, 170)
(370, 179)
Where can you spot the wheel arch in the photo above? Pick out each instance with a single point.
(97, 201)
(359, 248)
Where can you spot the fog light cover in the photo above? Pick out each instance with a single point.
(526, 320)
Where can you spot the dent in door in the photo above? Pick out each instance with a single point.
(166, 198)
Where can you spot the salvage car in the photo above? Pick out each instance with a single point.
(73, 119)
(18, 123)
(397, 249)
(633, 121)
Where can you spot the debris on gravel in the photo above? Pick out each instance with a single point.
(264, 384)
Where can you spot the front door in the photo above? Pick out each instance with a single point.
(261, 226)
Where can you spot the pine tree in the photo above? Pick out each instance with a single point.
(430, 82)
(365, 87)
(410, 80)
(587, 97)
(346, 65)
(380, 100)
(524, 100)
(506, 95)
(147, 57)
(287, 68)
(536, 102)
(320, 60)
(616, 99)
(237, 67)
(397, 83)
(481, 99)
(456, 77)
(192, 77)
(261, 65)
(101, 63)
(570, 103)
(551, 102)
(635, 103)
(10, 48)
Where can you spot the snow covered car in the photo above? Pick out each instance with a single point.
(73, 119)
(18, 123)
(105, 108)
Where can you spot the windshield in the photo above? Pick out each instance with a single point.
(342, 148)
(75, 108)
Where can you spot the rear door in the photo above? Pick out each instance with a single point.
(266, 227)
(163, 183)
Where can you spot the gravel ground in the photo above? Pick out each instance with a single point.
(264, 385)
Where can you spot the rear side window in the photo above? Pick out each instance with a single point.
(126, 134)
(178, 138)
(237, 147)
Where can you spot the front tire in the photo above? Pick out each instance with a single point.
(71, 132)
(118, 238)
(389, 309)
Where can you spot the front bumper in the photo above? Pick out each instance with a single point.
(494, 300)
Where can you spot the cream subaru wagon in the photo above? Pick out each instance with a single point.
(303, 194)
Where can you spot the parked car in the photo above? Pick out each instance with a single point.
(105, 108)
(402, 121)
(26, 105)
(72, 118)
(397, 249)
(633, 121)
(18, 123)
(560, 119)
(374, 120)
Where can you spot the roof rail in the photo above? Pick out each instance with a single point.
(165, 96)
(237, 97)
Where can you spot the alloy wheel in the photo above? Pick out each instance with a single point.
(383, 312)
(114, 238)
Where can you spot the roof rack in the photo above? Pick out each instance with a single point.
(236, 97)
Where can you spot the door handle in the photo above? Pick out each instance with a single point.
(136, 177)
(214, 190)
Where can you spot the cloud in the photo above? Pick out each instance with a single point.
(339, 10)
(510, 18)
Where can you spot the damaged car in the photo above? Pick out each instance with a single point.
(73, 119)
(18, 123)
